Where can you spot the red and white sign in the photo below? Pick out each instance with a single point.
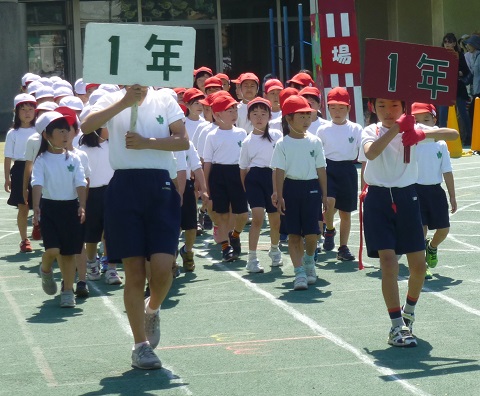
(410, 72)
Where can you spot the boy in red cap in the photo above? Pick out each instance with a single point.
(301, 80)
(434, 166)
(222, 175)
(300, 180)
(341, 140)
(392, 220)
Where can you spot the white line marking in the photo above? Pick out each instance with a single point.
(317, 329)
(10, 233)
(123, 322)
(40, 360)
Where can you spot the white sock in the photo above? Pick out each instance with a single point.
(136, 346)
(151, 311)
(274, 247)
(252, 255)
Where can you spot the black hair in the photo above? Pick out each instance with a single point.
(17, 123)
(59, 123)
(306, 71)
(285, 126)
(198, 75)
(91, 139)
(373, 102)
(262, 106)
(450, 37)
(191, 102)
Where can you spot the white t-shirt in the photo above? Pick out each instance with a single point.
(197, 132)
(100, 170)
(313, 128)
(299, 158)
(76, 139)
(341, 142)
(59, 176)
(33, 146)
(388, 169)
(16, 143)
(84, 158)
(257, 151)
(223, 146)
(193, 160)
(158, 110)
(181, 160)
(243, 122)
(203, 137)
(191, 126)
(433, 161)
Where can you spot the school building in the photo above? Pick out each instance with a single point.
(233, 36)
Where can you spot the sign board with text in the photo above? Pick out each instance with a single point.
(410, 72)
(128, 54)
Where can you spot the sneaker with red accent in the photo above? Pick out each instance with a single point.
(25, 246)
(36, 233)
(329, 241)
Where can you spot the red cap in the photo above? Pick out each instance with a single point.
(302, 79)
(222, 76)
(179, 90)
(271, 84)
(312, 91)
(68, 113)
(202, 69)
(222, 103)
(237, 80)
(286, 93)
(192, 93)
(213, 82)
(91, 85)
(258, 100)
(210, 98)
(338, 95)
(419, 108)
(248, 76)
(296, 104)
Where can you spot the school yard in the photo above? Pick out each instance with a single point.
(226, 333)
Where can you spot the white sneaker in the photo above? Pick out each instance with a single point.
(276, 256)
(401, 336)
(93, 270)
(300, 282)
(112, 277)
(311, 274)
(152, 326)
(253, 266)
(144, 358)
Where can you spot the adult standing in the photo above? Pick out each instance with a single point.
(450, 42)
(142, 215)
(473, 46)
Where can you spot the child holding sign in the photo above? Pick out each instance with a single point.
(392, 220)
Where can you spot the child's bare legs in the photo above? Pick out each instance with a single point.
(22, 220)
(258, 215)
(81, 262)
(330, 213)
(417, 267)
(48, 258)
(91, 251)
(67, 267)
(439, 236)
(274, 221)
(190, 236)
(310, 244)
(223, 226)
(389, 268)
(295, 249)
(345, 226)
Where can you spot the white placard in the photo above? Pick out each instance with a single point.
(129, 54)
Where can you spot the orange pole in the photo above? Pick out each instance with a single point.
(476, 126)
(454, 146)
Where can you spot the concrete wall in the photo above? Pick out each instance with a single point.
(14, 63)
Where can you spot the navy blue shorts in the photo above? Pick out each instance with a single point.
(189, 207)
(61, 226)
(226, 189)
(384, 229)
(16, 186)
(259, 186)
(94, 214)
(342, 184)
(433, 206)
(142, 213)
(302, 204)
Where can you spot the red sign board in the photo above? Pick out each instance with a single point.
(410, 72)
(340, 55)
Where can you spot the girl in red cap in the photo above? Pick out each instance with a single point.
(301, 186)
(15, 145)
(199, 77)
(255, 157)
(191, 98)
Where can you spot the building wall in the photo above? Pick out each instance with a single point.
(14, 65)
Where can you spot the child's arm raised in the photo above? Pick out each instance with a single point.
(375, 148)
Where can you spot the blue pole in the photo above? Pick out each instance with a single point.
(272, 42)
(300, 34)
(287, 45)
